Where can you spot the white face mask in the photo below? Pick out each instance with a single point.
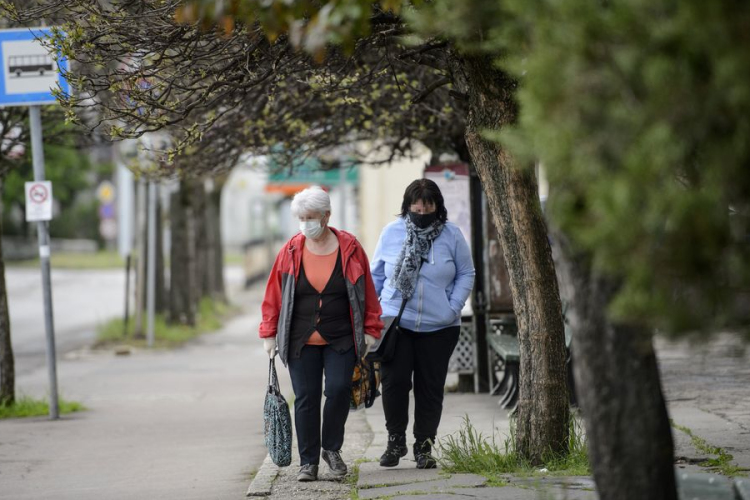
(311, 228)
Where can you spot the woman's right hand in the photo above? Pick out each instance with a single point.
(269, 344)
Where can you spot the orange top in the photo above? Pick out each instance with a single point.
(318, 269)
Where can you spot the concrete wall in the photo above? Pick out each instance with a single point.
(381, 190)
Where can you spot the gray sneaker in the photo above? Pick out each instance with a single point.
(335, 463)
(308, 472)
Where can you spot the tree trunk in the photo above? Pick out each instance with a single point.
(619, 389)
(7, 363)
(218, 291)
(160, 287)
(542, 413)
(182, 258)
(201, 240)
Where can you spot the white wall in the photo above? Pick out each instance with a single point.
(381, 190)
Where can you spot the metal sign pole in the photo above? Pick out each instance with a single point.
(37, 152)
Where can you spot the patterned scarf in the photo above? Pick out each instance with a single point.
(416, 247)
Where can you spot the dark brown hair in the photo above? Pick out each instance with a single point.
(427, 191)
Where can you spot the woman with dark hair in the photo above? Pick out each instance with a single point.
(422, 259)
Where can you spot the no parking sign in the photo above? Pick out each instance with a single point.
(38, 201)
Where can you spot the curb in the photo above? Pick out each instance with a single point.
(261, 483)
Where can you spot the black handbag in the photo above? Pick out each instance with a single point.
(384, 350)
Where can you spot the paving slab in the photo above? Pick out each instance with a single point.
(742, 486)
(716, 430)
(551, 482)
(372, 474)
(704, 486)
(436, 486)
(505, 493)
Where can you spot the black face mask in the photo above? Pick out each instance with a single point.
(422, 220)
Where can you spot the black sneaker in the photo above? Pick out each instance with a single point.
(396, 449)
(308, 472)
(423, 455)
(335, 463)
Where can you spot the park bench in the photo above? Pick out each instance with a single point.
(504, 360)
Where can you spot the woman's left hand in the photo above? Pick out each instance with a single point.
(369, 342)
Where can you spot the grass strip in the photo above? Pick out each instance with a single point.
(26, 406)
(77, 260)
(209, 317)
(103, 259)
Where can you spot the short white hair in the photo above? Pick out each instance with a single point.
(312, 199)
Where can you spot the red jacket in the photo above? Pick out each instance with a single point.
(279, 299)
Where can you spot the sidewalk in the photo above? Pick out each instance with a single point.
(185, 423)
(713, 401)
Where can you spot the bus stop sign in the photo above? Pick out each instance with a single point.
(28, 72)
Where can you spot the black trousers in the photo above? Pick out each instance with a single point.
(425, 357)
(307, 381)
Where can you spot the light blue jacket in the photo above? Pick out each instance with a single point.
(445, 279)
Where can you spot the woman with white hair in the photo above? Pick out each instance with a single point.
(320, 312)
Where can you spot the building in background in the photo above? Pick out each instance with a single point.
(381, 191)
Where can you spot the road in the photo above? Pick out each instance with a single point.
(82, 300)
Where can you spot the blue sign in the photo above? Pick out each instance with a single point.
(28, 72)
(107, 211)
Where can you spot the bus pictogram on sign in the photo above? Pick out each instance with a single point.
(36, 64)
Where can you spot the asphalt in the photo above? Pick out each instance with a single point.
(187, 424)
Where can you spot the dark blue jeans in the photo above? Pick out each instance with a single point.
(307, 381)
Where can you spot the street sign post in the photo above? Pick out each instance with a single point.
(28, 73)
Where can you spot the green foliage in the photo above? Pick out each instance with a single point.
(471, 25)
(81, 220)
(640, 112)
(210, 317)
(71, 172)
(64, 166)
(30, 407)
(311, 25)
(471, 452)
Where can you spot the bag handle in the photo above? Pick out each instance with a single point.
(401, 311)
(273, 378)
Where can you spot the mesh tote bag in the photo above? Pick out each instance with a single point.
(278, 421)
